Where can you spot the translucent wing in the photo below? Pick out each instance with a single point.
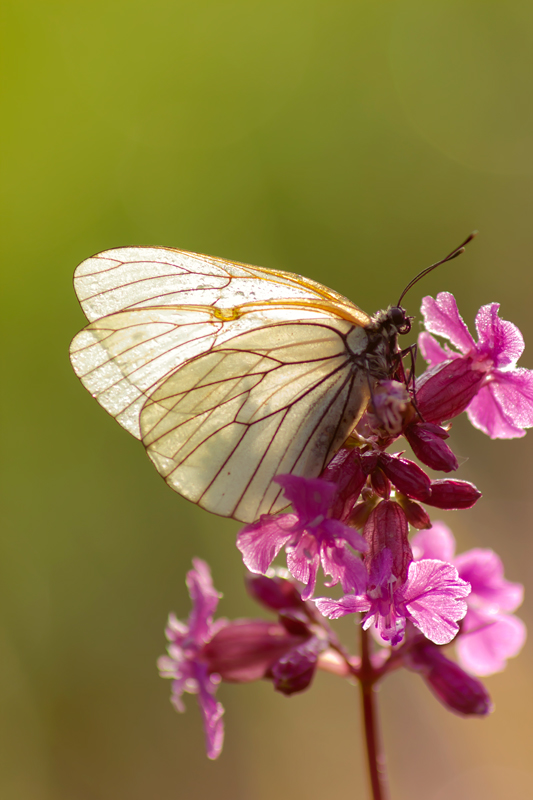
(275, 400)
(161, 317)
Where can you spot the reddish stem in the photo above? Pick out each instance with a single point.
(374, 750)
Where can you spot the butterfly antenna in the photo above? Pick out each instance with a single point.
(449, 257)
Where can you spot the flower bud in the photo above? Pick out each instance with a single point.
(446, 390)
(387, 528)
(369, 461)
(295, 670)
(452, 494)
(426, 439)
(455, 688)
(273, 592)
(417, 516)
(361, 512)
(345, 470)
(408, 477)
(380, 483)
(295, 622)
(244, 650)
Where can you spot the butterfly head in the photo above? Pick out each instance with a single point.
(397, 320)
(391, 322)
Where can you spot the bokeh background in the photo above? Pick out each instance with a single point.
(352, 141)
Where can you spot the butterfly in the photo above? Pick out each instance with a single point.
(229, 374)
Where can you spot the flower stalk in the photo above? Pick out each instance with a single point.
(377, 768)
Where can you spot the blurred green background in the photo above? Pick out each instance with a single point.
(355, 142)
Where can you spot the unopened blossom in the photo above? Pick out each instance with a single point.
(490, 633)
(456, 689)
(427, 441)
(311, 536)
(184, 663)
(245, 650)
(386, 530)
(482, 377)
(432, 598)
(294, 670)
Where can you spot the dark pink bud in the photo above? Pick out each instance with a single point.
(295, 622)
(295, 670)
(458, 691)
(446, 390)
(275, 593)
(369, 462)
(345, 470)
(451, 494)
(245, 649)
(387, 528)
(380, 483)
(361, 512)
(426, 439)
(408, 477)
(416, 515)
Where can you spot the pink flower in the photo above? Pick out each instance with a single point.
(482, 378)
(184, 665)
(202, 653)
(311, 536)
(432, 598)
(490, 633)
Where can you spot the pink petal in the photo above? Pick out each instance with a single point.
(442, 317)
(350, 604)
(499, 339)
(261, 541)
(344, 567)
(513, 391)
(212, 712)
(204, 598)
(437, 542)
(495, 639)
(485, 413)
(335, 530)
(431, 350)
(434, 596)
(310, 497)
(303, 561)
(483, 570)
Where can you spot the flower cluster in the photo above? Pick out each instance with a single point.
(353, 521)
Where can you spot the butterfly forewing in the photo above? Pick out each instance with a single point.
(140, 277)
(230, 374)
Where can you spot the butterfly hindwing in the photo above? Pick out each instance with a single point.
(275, 400)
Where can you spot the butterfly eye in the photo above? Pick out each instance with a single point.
(399, 319)
(397, 316)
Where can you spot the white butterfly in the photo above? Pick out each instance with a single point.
(229, 374)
